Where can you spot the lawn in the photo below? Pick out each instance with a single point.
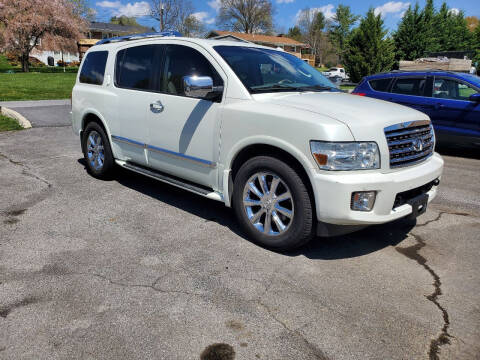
(36, 86)
(7, 124)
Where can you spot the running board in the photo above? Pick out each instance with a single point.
(177, 182)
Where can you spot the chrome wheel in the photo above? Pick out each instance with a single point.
(268, 203)
(95, 150)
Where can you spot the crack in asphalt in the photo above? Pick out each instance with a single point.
(412, 252)
(14, 211)
(318, 353)
(152, 286)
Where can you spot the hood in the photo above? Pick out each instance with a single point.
(361, 114)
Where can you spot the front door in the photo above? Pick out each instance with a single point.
(454, 113)
(184, 132)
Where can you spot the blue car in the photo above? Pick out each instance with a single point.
(452, 100)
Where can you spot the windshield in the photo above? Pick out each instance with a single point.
(265, 70)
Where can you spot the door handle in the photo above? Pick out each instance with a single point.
(156, 107)
(439, 106)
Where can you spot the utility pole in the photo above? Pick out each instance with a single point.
(162, 24)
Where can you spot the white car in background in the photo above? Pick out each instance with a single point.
(337, 72)
(257, 129)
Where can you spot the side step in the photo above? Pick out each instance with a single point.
(172, 180)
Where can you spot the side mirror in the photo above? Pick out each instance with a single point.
(475, 97)
(201, 87)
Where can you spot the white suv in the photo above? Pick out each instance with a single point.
(255, 128)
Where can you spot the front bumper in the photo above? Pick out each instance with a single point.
(333, 192)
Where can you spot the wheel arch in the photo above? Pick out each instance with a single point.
(93, 116)
(296, 161)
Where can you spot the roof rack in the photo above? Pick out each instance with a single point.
(139, 36)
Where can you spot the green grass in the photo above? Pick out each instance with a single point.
(36, 86)
(347, 87)
(8, 124)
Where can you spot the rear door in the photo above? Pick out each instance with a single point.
(136, 74)
(410, 91)
(453, 111)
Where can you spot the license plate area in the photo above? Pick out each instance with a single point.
(419, 205)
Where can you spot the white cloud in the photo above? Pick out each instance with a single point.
(284, 1)
(392, 7)
(109, 4)
(454, 11)
(327, 10)
(203, 17)
(215, 5)
(139, 8)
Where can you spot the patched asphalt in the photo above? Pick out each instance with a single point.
(136, 269)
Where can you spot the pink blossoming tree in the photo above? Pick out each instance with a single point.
(24, 24)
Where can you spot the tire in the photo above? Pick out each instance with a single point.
(95, 142)
(295, 213)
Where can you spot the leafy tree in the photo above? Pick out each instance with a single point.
(295, 33)
(124, 20)
(26, 23)
(368, 51)
(247, 16)
(472, 22)
(341, 29)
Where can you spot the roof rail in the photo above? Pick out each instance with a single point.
(138, 36)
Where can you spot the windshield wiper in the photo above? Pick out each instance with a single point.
(281, 87)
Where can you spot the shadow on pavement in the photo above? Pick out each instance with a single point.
(360, 243)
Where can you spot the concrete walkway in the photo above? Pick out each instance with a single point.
(42, 113)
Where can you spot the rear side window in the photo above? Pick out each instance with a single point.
(134, 68)
(380, 84)
(409, 86)
(93, 68)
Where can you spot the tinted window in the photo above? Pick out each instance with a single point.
(134, 68)
(409, 86)
(93, 68)
(380, 84)
(451, 89)
(183, 61)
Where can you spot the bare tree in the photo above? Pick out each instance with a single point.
(311, 23)
(189, 25)
(27, 22)
(171, 13)
(248, 16)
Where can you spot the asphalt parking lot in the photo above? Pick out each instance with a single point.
(136, 269)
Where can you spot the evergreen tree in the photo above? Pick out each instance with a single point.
(341, 29)
(416, 33)
(368, 51)
(295, 33)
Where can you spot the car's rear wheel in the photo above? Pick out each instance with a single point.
(272, 203)
(97, 151)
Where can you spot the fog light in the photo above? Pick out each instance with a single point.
(363, 200)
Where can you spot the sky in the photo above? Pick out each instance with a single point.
(285, 11)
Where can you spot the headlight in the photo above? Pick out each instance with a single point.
(346, 155)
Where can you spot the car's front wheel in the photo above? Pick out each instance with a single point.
(272, 203)
(97, 151)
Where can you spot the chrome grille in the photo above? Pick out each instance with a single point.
(410, 142)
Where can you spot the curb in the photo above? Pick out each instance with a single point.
(15, 115)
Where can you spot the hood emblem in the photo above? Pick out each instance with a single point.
(417, 144)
